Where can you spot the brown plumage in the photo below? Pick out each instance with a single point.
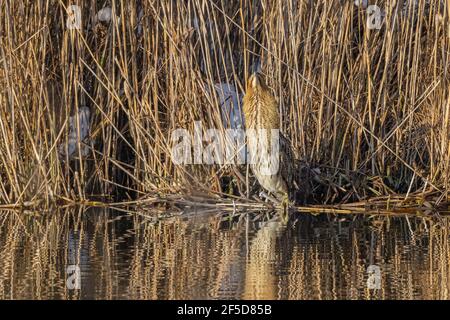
(261, 112)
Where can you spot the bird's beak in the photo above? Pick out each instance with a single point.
(254, 81)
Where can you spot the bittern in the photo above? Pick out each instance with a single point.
(261, 115)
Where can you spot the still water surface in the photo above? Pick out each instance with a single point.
(127, 256)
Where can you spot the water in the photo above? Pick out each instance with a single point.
(129, 256)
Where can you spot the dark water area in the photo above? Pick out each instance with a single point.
(105, 254)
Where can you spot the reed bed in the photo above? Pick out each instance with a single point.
(367, 110)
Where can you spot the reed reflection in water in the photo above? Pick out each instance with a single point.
(124, 256)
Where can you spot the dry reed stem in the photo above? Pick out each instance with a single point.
(370, 108)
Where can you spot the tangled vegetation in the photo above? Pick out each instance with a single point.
(367, 110)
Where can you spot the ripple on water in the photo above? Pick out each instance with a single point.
(127, 257)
